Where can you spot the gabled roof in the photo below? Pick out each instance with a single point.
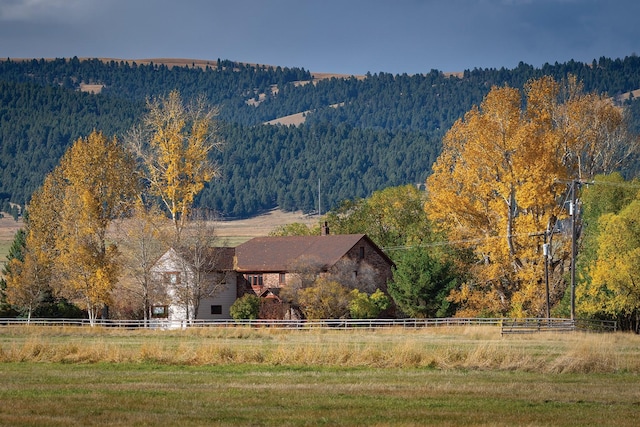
(216, 258)
(270, 254)
(269, 293)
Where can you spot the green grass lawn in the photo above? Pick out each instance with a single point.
(152, 394)
(444, 376)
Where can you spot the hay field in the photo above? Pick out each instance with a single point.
(469, 347)
(449, 376)
(8, 228)
(260, 225)
(230, 232)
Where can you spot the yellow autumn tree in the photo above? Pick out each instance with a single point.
(595, 131)
(174, 147)
(326, 299)
(499, 184)
(95, 182)
(614, 289)
(27, 284)
(101, 184)
(29, 278)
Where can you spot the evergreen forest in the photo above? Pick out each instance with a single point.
(361, 133)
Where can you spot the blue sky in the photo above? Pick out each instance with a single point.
(339, 36)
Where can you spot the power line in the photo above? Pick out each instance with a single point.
(455, 242)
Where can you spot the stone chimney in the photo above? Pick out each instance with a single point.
(325, 229)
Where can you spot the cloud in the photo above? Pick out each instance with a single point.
(351, 36)
(46, 10)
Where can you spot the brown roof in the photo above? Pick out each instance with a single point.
(285, 253)
(220, 258)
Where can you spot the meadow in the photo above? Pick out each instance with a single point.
(239, 376)
(229, 233)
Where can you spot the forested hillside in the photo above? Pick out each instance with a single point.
(360, 135)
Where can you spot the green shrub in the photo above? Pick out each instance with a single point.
(247, 307)
(364, 306)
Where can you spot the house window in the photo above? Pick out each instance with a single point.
(282, 278)
(216, 309)
(361, 252)
(160, 311)
(172, 278)
(255, 279)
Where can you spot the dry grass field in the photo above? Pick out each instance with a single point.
(448, 376)
(8, 228)
(468, 347)
(453, 347)
(230, 233)
(261, 225)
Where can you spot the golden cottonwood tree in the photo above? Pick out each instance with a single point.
(68, 219)
(499, 183)
(597, 138)
(614, 289)
(27, 284)
(174, 148)
(29, 278)
(101, 183)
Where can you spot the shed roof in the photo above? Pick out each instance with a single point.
(270, 254)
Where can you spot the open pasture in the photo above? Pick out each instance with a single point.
(229, 232)
(240, 376)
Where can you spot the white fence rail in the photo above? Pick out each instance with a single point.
(507, 325)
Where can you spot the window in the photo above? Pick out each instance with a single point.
(282, 278)
(255, 279)
(361, 252)
(160, 311)
(172, 278)
(216, 309)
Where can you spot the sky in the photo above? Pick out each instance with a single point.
(332, 36)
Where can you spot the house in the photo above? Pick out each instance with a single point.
(264, 266)
(267, 264)
(197, 284)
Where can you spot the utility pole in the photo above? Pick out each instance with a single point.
(319, 205)
(574, 213)
(546, 254)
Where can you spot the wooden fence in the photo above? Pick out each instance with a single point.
(524, 326)
(508, 326)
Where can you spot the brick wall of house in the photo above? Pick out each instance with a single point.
(269, 280)
(370, 268)
(374, 259)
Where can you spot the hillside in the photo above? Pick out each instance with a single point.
(286, 129)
